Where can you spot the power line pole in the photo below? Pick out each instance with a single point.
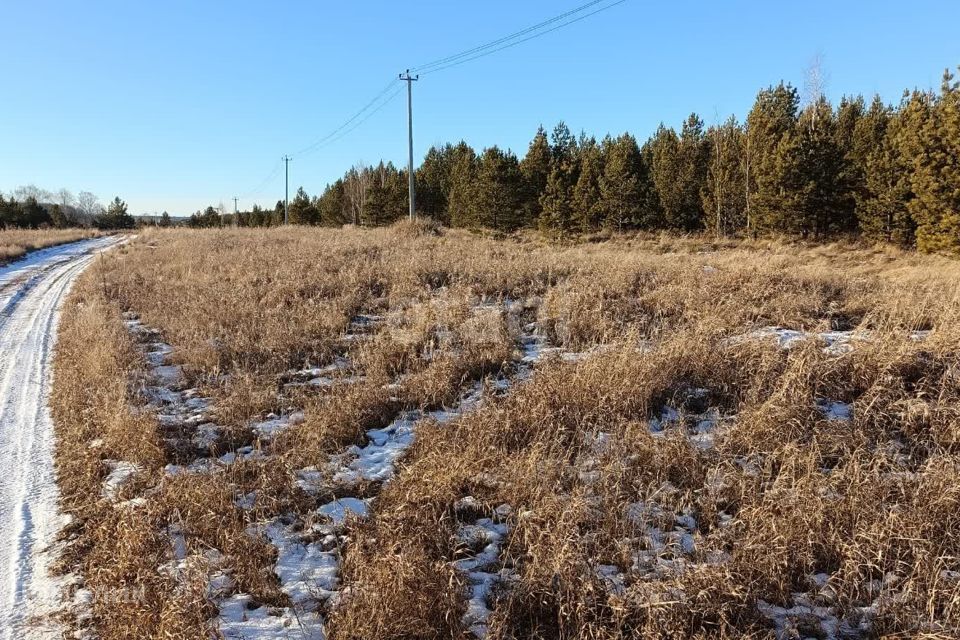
(410, 188)
(286, 188)
(234, 210)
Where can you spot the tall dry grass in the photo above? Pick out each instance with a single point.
(781, 505)
(15, 243)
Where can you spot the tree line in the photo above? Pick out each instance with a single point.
(806, 169)
(29, 207)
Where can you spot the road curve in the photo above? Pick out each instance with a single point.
(31, 292)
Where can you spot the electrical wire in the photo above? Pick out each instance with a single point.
(448, 59)
(514, 43)
(317, 143)
(265, 182)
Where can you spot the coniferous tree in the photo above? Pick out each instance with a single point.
(694, 163)
(815, 192)
(586, 205)
(463, 175)
(498, 196)
(31, 214)
(627, 196)
(666, 170)
(302, 209)
(535, 168)
(556, 210)
(770, 142)
(386, 200)
(724, 195)
(58, 217)
(433, 183)
(881, 202)
(849, 128)
(936, 170)
(556, 213)
(332, 206)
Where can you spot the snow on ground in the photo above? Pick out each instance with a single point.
(838, 342)
(308, 557)
(31, 292)
(481, 542)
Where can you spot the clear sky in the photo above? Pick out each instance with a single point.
(178, 104)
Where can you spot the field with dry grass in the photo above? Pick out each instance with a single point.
(15, 243)
(415, 433)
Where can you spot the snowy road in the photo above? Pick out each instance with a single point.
(31, 291)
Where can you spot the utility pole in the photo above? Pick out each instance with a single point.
(406, 77)
(286, 188)
(235, 210)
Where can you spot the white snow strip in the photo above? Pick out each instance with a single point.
(483, 539)
(838, 342)
(31, 292)
(120, 474)
(836, 411)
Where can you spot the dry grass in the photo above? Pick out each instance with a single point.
(15, 243)
(780, 505)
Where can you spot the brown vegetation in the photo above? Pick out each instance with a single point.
(670, 472)
(15, 243)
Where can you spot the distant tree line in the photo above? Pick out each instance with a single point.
(29, 207)
(890, 173)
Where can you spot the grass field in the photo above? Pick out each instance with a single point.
(416, 433)
(15, 243)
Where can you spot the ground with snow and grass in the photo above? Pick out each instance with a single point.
(421, 433)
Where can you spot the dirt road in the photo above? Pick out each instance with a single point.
(31, 291)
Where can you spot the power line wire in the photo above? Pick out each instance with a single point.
(367, 117)
(266, 181)
(317, 143)
(522, 40)
(447, 59)
(332, 136)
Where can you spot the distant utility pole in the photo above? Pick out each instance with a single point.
(286, 188)
(406, 77)
(235, 210)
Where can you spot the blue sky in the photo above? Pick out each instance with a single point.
(176, 105)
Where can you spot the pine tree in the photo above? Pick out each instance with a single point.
(724, 196)
(386, 199)
(433, 183)
(556, 213)
(463, 174)
(6, 217)
(332, 205)
(666, 170)
(165, 220)
(498, 196)
(881, 207)
(32, 215)
(586, 205)
(58, 218)
(556, 201)
(694, 163)
(770, 141)
(848, 136)
(815, 192)
(627, 198)
(535, 168)
(936, 174)
(302, 209)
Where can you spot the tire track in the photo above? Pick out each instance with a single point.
(29, 518)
